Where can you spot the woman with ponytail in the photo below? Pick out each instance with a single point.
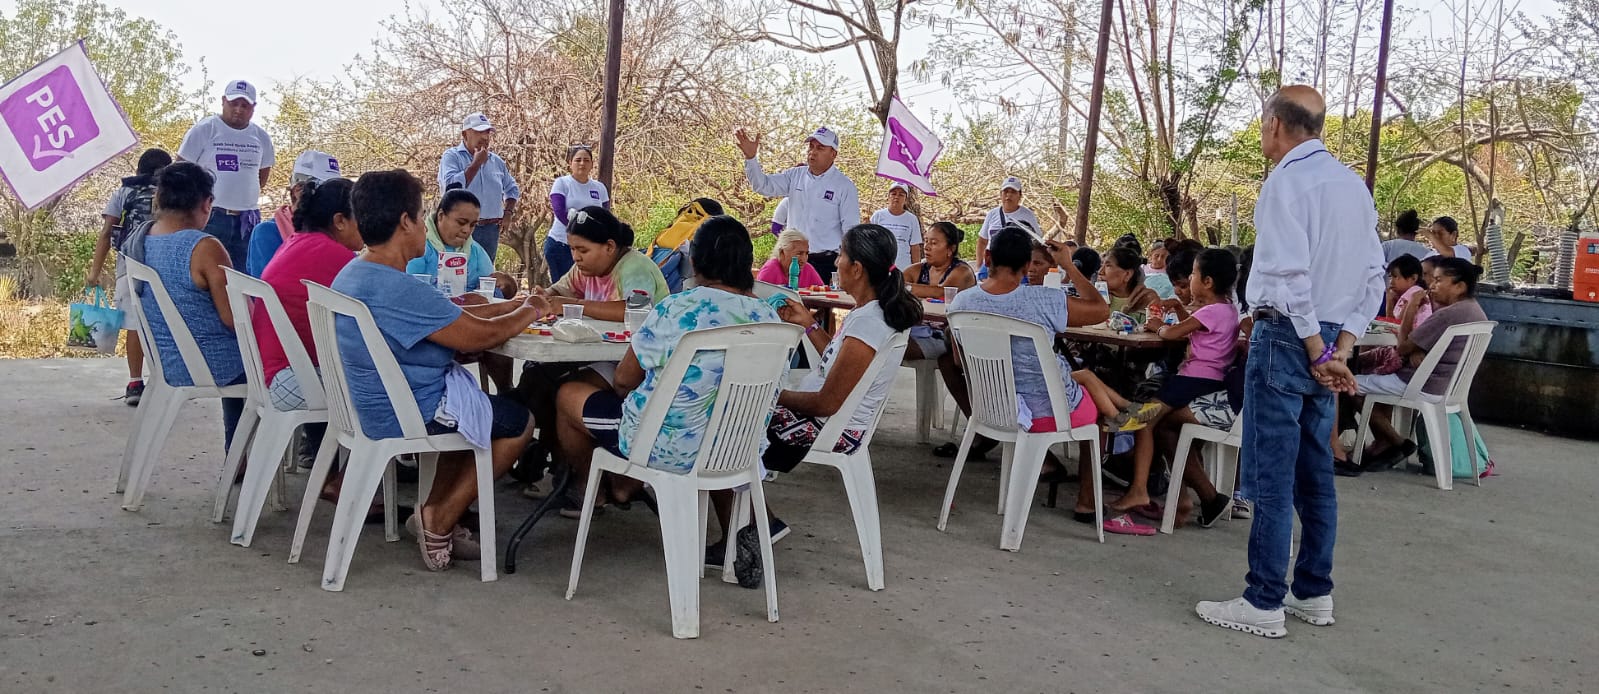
(883, 308)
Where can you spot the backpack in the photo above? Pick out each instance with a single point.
(137, 204)
(668, 248)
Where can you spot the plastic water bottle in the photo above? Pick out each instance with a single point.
(793, 273)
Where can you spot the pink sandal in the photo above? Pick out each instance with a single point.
(1122, 525)
(436, 549)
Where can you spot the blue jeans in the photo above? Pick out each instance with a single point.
(233, 230)
(488, 236)
(1286, 465)
(558, 258)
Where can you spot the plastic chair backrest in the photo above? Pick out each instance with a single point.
(755, 356)
(241, 289)
(152, 351)
(325, 305)
(766, 290)
(887, 358)
(177, 326)
(1477, 335)
(985, 346)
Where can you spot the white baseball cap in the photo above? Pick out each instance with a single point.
(1011, 183)
(900, 187)
(478, 122)
(239, 89)
(319, 166)
(824, 136)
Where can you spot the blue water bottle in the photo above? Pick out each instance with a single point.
(793, 273)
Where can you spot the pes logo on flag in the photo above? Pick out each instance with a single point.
(60, 124)
(49, 118)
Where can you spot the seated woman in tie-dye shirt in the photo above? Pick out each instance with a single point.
(590, 415)
(605, 268)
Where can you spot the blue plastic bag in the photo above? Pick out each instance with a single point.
(94, 325)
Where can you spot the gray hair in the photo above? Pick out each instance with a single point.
(788, 236)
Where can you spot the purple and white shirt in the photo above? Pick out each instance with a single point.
(568, 196)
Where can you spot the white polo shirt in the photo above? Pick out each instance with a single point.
(235, 157)
(823, 207)
(997, 219)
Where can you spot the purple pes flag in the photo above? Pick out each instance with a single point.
(60, 124)
(909, 149)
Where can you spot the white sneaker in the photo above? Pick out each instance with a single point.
(1238, 614)
(1317, 612)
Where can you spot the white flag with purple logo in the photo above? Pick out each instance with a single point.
(909, 149)
(58, 124)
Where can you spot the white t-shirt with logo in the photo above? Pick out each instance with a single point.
(578, 196)
(997, 219)
(907, 230)
(235, 157)
(1461, 251)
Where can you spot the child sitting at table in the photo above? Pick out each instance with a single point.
(1405, 286)
(1212, 333)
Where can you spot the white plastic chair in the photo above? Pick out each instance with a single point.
(372, 460)
(271, 430)
(984, 341)
(158, 408)
(755, 356)
(929, 397)
(1435, 410)
(1222, 462)
(859, 484)
(766, 290)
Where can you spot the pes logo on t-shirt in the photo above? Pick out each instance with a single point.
(227, 162)
(594, 194)
(827, 195)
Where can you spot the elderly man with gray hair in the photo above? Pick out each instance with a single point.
(270, 234)
(1316, 283)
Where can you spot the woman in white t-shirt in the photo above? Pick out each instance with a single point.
(569, 194)
(904, 224)
(883, 308)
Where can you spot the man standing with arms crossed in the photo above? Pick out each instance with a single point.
(472, 166)
(822, 202)
(1316, 284)
(240, 155)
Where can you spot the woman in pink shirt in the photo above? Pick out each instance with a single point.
(325, 241)
(790, 244)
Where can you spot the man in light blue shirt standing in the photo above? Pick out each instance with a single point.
(470, 165)
(1316, 283)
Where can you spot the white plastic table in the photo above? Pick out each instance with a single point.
(545, 349)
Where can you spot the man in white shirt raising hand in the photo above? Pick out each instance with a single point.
(1316, 283)
(822, 201)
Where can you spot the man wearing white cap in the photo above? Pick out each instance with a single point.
(240, 155)
(472, 166)
(270, 234)
(905, 225)
(822, 201)
(1010, 210)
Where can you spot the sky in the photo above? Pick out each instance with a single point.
(229, 55)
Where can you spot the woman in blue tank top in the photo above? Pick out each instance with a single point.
(190, 264)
